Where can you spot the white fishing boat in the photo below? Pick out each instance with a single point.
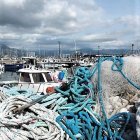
(50, 63)
(39, 80)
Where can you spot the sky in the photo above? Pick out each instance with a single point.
(41, 24)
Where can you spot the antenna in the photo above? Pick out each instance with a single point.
(132, 48)
(59, 50)
(98, 50)
(75, 49)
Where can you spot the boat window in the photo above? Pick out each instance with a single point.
(25, 77)
(48, 76)
(38, 77)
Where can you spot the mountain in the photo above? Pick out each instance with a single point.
(4, 49)
(12, 52)
(3, 46)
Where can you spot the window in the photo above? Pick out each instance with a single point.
(48, 76)
(38, 77)
(25, 77)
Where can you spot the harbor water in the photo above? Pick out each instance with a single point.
(9, 76)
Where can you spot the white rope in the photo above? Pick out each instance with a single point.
(37, 122)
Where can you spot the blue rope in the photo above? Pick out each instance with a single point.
(80, 94)
(117, 66)
(83, 124)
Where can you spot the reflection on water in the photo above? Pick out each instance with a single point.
(9, 76)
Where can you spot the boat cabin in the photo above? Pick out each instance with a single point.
(38, 79)
(34, 76)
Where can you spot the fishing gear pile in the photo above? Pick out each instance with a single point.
(70, 113)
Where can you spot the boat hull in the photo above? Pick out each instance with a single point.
(13, 67)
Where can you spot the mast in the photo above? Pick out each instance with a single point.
(59, 50)
(75, 49)
(132, 48)
(98, 50)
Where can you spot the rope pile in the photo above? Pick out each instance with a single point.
(53, 101)
(79, 120)
(36, 123)
(69, 113)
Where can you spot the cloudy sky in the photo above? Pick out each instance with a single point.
(82, 23)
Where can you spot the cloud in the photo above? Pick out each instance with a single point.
(52, 16)
(130, 20)
(97, 38)
(43, 23)
(9, 36)
(48, 19)
(20, 13)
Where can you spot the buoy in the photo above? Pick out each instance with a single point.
(61, 75)
(50, 90)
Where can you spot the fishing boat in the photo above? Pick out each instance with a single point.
(39, 80)
(49, 63)
(13, 67)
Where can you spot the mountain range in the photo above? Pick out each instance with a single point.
(13, 52)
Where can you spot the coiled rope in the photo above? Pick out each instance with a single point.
(36, 123)
(88, 125)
